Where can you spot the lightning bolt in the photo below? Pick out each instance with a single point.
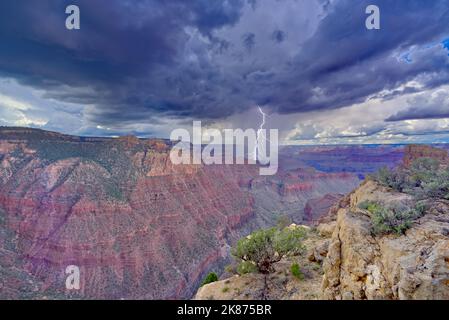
(260, 133)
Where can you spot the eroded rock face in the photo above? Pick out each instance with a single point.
(316, 209)
(139, 228)
(413, 152)
(362, 266)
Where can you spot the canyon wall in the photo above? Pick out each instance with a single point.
(137, 226)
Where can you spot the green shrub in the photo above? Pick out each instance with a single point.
(421, 207)
(397, 219)
(265, 247)
(395, 179)
(436, 188)
(246, 267)
(296, 271)
(369, 206)
(211, 277)
(425, 178)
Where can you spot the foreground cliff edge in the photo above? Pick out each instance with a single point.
(347, 260)
(412, 266)
(357, 264)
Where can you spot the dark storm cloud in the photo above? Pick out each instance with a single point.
(278, 36)
(135, 60)
(249, 41)
(118, 39)
(419, 113)
(126, 51)
(435, 106)
(343, 63)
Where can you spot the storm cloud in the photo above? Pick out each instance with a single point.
(429, 106)
(154, 62)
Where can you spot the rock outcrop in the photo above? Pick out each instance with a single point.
(281, 285)
(316, 209)
(360, 265)
(413, 152)
(346, 261)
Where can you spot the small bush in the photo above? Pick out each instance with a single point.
(296, 271)
(225, 289)
(246, 267)
(369, 206)
(436, 188)
(211, 277)
(425, 178)
(397, 219)
(421, 207)
(265, 247)
(395, 179)
(316, 267)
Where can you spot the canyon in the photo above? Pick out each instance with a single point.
(140, 227)
(346, 259)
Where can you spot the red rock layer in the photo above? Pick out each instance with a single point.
(413, 152)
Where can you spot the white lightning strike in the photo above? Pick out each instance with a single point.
(260, 133)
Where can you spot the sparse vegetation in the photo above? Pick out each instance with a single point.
(369, 206)
(265, 247)
(211, 277)
(296, 271)
(225, 289)
(396, 219)
(246, 267)
(425, 178)
(316, 266)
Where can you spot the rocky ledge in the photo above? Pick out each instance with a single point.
(347, 261)
(360, 265)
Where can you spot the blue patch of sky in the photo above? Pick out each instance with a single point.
(406, 56)
(445, 44)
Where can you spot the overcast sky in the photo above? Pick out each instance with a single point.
(146, 67)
